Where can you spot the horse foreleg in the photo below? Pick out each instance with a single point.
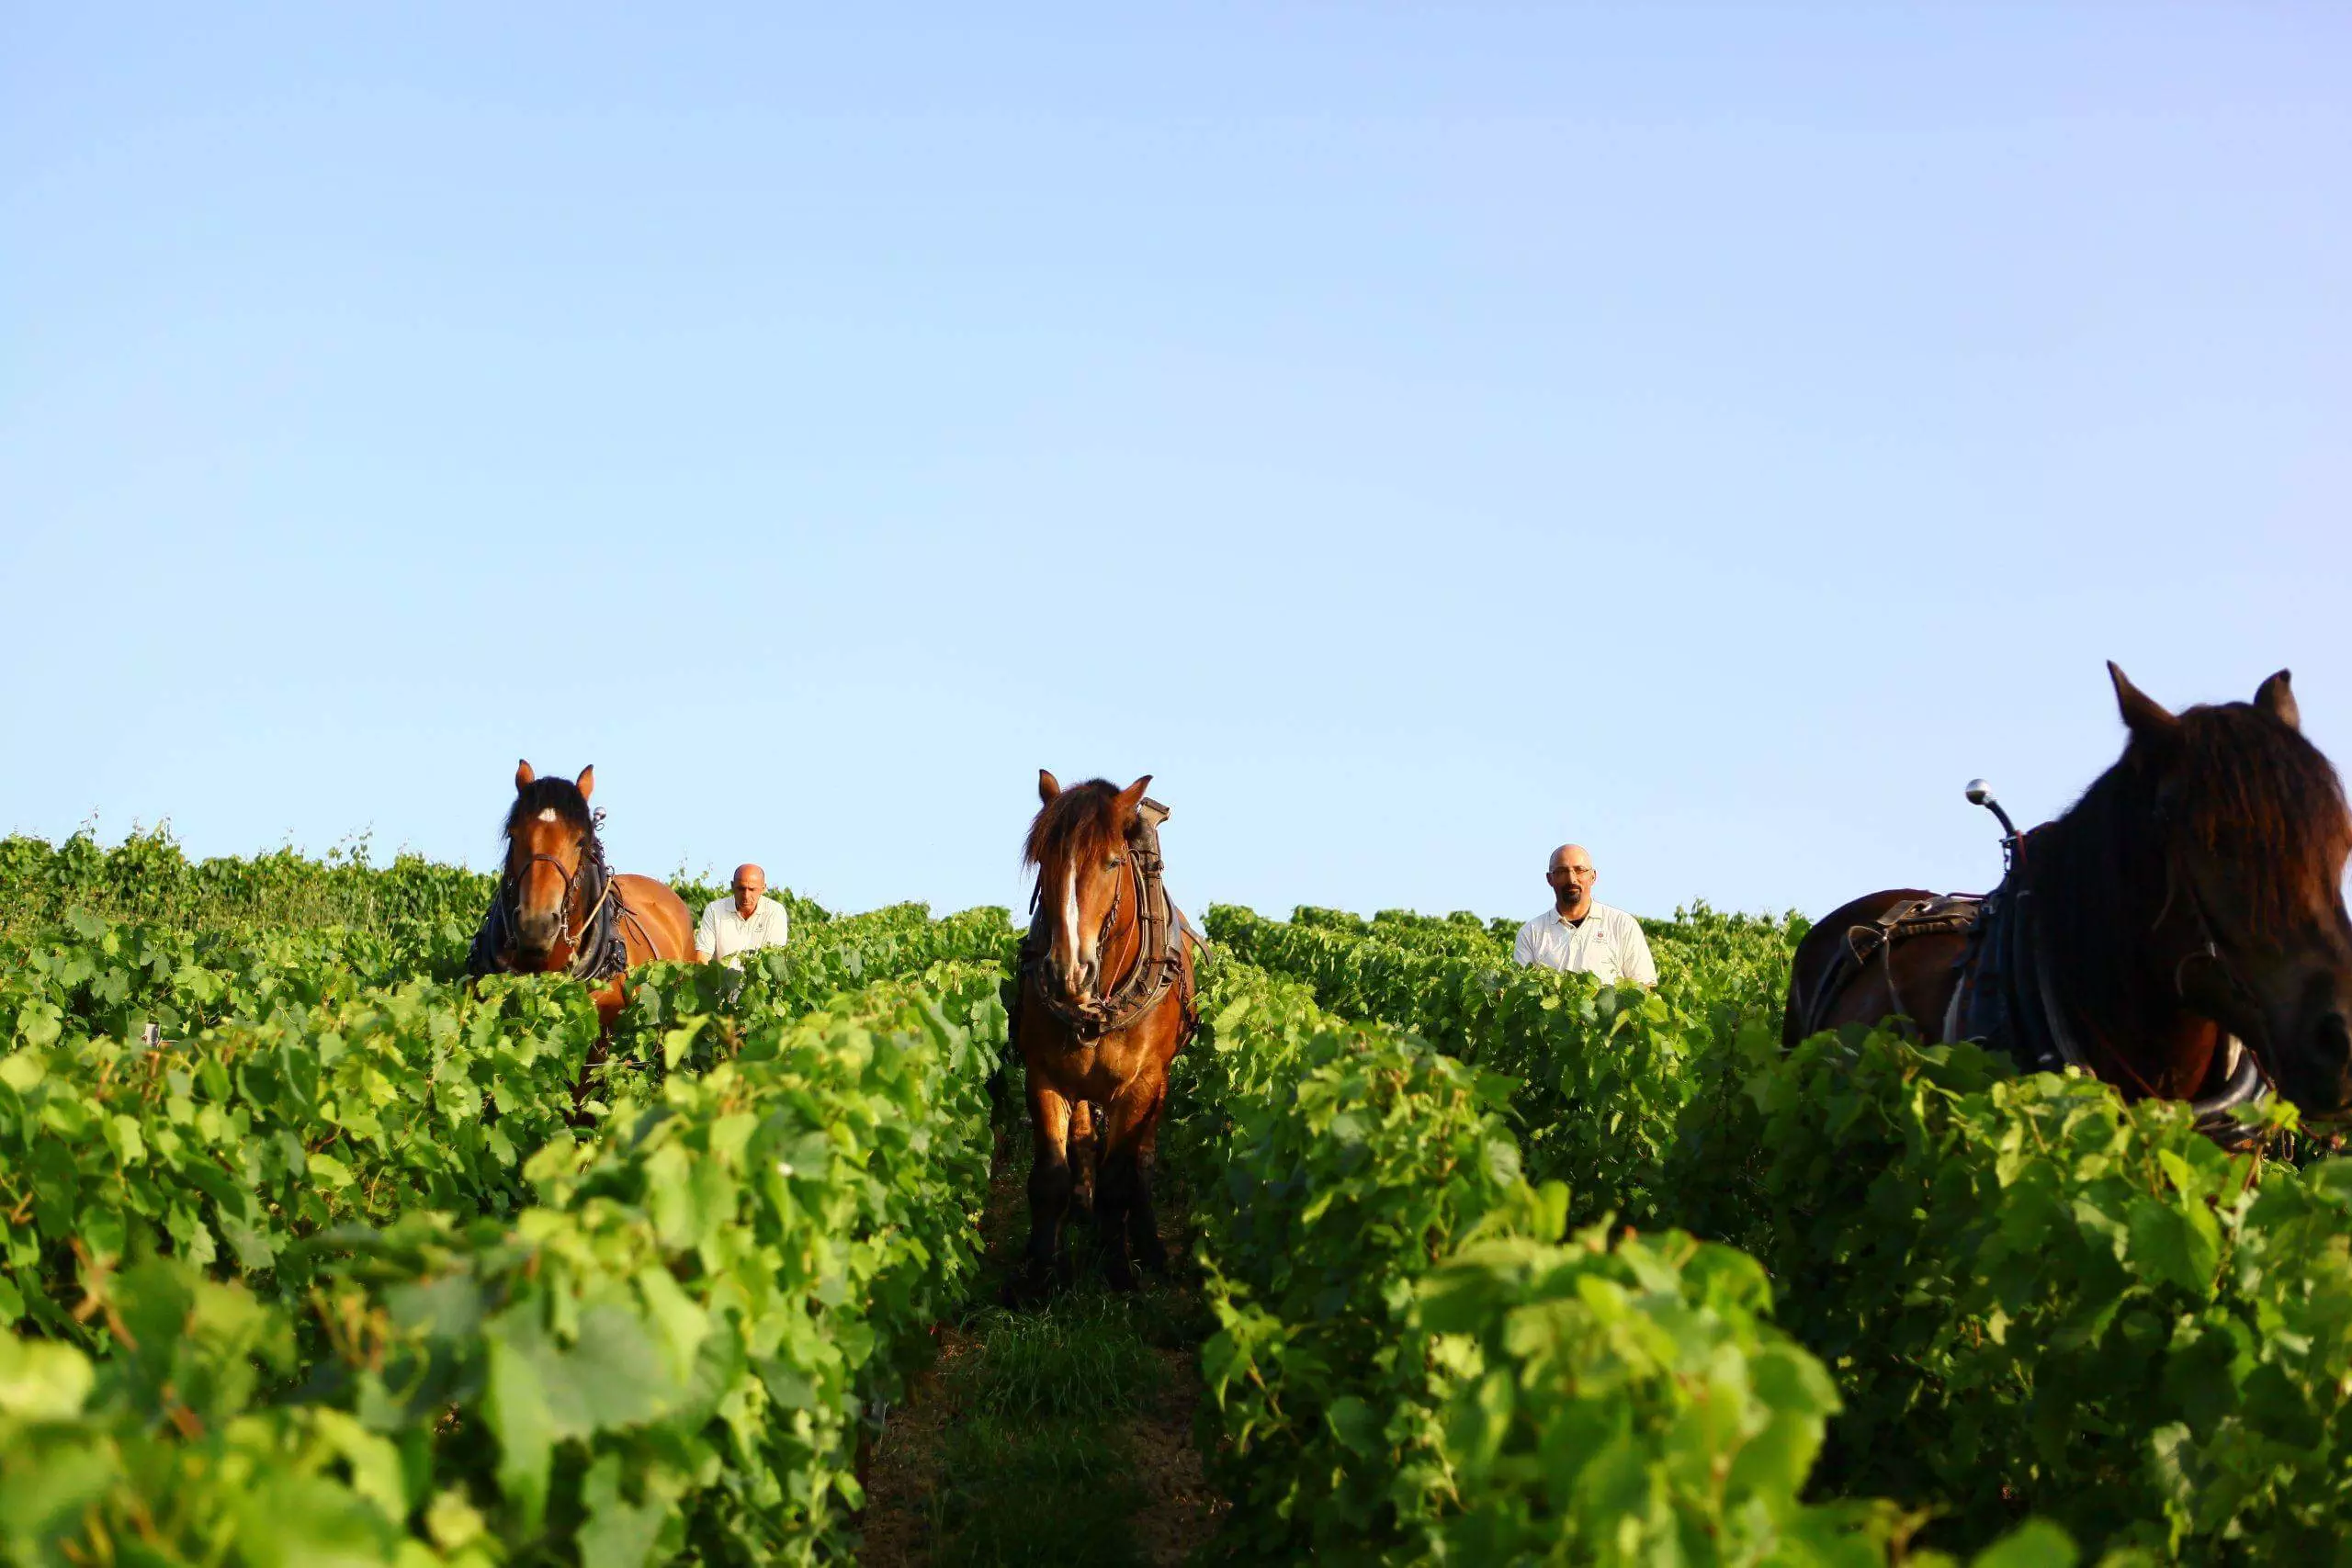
(1143, 1216)
(1085, 1156)
(1122, 1211)
(1049, 1185)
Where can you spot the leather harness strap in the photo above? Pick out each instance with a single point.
(2005, 995)
(1953, 914)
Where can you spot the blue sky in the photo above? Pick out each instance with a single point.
(1416, 435)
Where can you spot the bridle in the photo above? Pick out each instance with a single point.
(2206, 946)
(598, 950)
(1118, 895)
(1089, 1017)
(510, 887)
(1160, 933)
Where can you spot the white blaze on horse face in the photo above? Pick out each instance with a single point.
(1077, 959)
(547, 814)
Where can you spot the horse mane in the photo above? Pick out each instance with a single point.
(1082, 820)
(2252, 788)
(2234, 782)
(559, 795)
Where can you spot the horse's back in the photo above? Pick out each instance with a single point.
(664, 915)
(1863, 995)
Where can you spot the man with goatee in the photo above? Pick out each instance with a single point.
(1579, 934)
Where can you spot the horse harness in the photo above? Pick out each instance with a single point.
(1160, 964)
(599, 951)
(2003, 997)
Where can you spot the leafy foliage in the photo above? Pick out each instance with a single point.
(1409, 1367)
(420, 905)
(1460, 933)
(667, 1351)
(1631, 1404)
(166, 1453)
(1603, 1071)
(2039, 1298)
(314, 1256)
(227, 1148)
(89, 977)
(1353, 1155)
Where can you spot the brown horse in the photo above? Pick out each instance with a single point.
(1103, 1005)
(2181, 932)
(558, 910)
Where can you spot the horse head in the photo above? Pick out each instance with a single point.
(2250, 832)
(550, 856)
(1078, 845)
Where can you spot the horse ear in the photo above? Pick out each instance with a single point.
(2143, 715)
(1048, 787)
(587, 781)
(2276, 698)
(1131, 797)
(523, 777)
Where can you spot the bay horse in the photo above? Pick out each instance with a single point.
(2180, 932)
(558, 910)
(1104, 1003)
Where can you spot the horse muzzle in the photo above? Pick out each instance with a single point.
(1077, 983)
(2316, 1072)
(535, 938)
(2331, 1059)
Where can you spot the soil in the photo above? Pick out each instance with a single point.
(1183, 1512)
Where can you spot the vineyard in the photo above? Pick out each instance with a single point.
(312, 1258)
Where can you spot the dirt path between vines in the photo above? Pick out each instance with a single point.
(1063, 1434)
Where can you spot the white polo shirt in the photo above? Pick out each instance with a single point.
(1607, 942)
(726, 935)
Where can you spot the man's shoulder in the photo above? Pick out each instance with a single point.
(773, 909)
(1617, 919)
(1548, 917)
(716, 906)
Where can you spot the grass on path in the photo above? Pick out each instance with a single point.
(1062, 1432)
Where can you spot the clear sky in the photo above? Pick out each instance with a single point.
(1414, 435)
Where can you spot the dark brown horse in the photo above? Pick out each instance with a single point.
(558, 910)
(1105, 1003)
(2181, 932)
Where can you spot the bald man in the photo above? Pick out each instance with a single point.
(746, 919)
(1580, 935)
